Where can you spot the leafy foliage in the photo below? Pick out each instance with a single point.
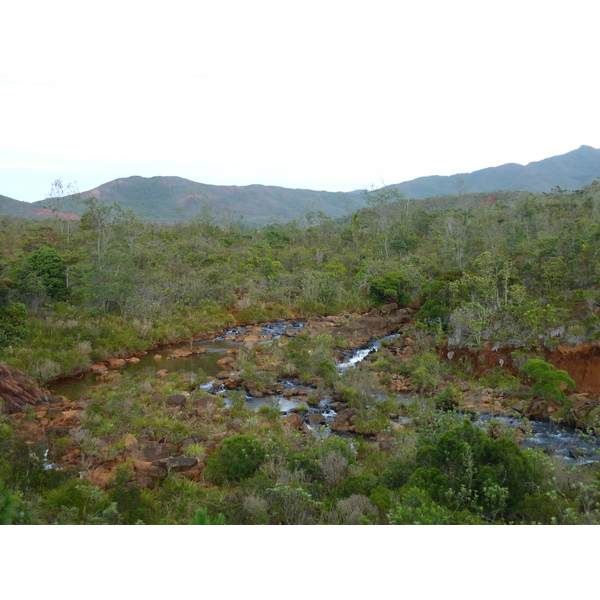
(391, 287)
(238, 458)
(49, 266)
(550, 381)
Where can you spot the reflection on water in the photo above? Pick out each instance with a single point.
(204, 364)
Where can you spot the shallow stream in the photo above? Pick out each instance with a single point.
(568, 443)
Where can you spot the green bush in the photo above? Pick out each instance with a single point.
(448, 399)
(201, 517)
(475, 471)
(13, 324)
(550, 381)
(238, 458)
(46, 263)
(417, 508)
(391, 287)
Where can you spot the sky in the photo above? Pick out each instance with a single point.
(327, 95)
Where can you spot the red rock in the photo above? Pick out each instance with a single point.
(116, 363)
(17, 390)
(293, 421)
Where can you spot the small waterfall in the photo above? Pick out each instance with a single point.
(358, 355)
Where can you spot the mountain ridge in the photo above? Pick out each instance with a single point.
(173, 198)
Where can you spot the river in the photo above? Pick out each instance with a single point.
(571, 444)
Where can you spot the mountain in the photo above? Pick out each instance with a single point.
(570, 171)
(176, 199)
(172, 199)
(30, 210)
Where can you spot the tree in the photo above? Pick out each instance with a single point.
(61, 198)
(49, 266)
(550, 381)
(391, 287)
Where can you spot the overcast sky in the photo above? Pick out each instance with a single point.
(327, 95)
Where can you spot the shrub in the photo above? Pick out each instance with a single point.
(391, 287)
(550, 381)
(13, 324)
(238, 458)
(201, 518)
(475, 471)
(448, 399)
(48, 265)
(417, 508)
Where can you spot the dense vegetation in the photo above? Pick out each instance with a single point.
(518, 270)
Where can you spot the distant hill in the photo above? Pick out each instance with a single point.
(570, 171)
(172, 199)
(176, 199)
(15, 208)
(30, 210)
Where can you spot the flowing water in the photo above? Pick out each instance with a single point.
(569, 443)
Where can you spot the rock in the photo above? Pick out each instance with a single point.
(204, 403)
(143, 482)
(157, 357)
(57, 399)
(162, 373)
(101, 476)
(98, 368)
(195, 472)
(147, 474)
(133, 360)
(18, 391)
(388, 308)
(344, 420)
(130, 442)
(293, 421)
(152, 451)
(180, 353)
(176, 463)
(253, 390)
(315, 419)
(176, 400)
(227, 360)
(190, 441)
(116, 363)
(56, 431)
(293, 392)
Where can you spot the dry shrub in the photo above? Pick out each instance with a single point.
(244, 303)
(276, 470)
(334, 467)
(44, 370)
(257, 509)
(84, 348)
(355, 509)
